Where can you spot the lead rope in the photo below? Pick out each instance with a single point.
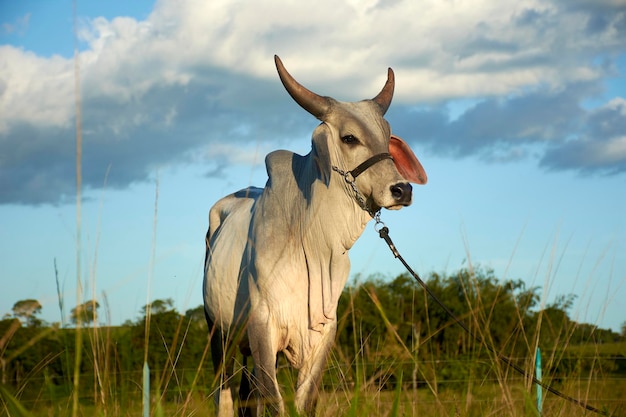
(383, 231)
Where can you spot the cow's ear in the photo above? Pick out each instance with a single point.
(406, 162)
(321, 154)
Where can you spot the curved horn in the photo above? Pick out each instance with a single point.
(383, 99)
(308, 100)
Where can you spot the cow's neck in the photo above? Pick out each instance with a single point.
(314, 216)
(332, 223)
(337, 212)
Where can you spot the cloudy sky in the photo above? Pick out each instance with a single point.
(517, 111)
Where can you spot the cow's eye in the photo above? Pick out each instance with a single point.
(349, 139)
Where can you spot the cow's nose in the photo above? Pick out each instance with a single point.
(401, 192)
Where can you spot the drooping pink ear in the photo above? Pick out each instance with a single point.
(406, 162)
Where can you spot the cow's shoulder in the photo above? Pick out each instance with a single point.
(279, 164)
(288, 171)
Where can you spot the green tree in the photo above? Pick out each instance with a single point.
(162, 338)
(388, 322)
(86, 312)
(554, 324)
(27, 310)
(158, 306)
(196, 318)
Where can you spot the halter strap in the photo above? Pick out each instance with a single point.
(368, 163)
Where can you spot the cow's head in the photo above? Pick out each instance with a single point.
(351, 133)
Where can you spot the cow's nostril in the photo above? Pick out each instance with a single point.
(401, 192)
(396, 192)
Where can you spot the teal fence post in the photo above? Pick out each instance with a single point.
(538, 376)
(146, 390)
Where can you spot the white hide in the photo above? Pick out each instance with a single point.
(277, 258)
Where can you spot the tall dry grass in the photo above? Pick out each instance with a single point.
(404, 384)
(388, 392)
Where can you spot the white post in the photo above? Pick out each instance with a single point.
(538, 376)
(146, 390)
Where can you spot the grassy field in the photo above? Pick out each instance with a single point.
(466, 386)
(477, 400)
(479, 396)
(594, 373)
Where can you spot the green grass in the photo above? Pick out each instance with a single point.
(347, 391)
(611, 349)
(475, 384)
(479, 400)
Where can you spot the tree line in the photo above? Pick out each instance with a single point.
(386, 328)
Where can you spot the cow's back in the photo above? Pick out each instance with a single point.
(229, 223)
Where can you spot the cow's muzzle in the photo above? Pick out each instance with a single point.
(401, 193)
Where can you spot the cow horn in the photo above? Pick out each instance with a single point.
(383, 99)
(316, 105)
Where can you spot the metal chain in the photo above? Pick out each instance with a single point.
(350, 177)
(347, 175)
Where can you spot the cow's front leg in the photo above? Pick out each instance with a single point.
(264, 347)
(310, 374)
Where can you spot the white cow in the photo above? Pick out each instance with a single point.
(277, 257)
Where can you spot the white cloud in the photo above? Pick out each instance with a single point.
(34, 90)
(600, 146)
(482, 47)
(154, 90)
(241, 155)
(614, 150)
(440, 50)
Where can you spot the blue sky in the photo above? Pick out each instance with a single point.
(517, 112)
